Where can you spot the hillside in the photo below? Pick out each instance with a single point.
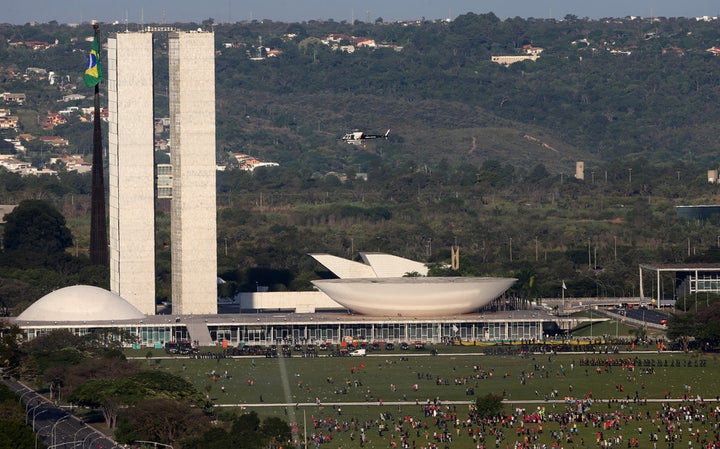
(624, 88)
(422, 132)
(630, 88)
(479, 154)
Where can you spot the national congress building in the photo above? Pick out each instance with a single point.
(371, 300)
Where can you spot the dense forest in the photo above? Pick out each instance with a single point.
(479, 155)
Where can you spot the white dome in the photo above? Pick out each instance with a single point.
(80, 303)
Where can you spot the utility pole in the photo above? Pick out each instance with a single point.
(615, 246)
(589, 256)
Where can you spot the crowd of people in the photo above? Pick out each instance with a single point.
(692, 424)
(560, 421)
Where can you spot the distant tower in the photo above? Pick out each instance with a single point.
(580, 170)
(131, 174)
(193, 208)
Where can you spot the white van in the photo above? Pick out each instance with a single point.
(358, 353)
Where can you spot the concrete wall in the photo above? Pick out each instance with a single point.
(300, 302)
(130, 153)
(192, 136)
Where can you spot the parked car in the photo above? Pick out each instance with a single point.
(358, 353)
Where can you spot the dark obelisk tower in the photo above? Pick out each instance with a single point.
(98, 220)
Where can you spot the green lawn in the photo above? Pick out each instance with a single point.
(300, 389)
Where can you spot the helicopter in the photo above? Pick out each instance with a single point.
(357, 137)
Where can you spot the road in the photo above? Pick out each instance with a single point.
(55, 426)
(641, 316)
(645, 315)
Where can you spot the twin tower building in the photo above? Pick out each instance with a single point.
(132, 170)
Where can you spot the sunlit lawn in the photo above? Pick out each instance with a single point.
(297, 384)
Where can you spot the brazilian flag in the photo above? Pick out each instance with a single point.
(93, 71)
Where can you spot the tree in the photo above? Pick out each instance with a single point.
(277, 431)
(489, 406)
(72, 376)
(16, 434)
(701, 325)
(526, 285)
(537, 174)
(10, 353)
(682, 328)
(163, 420)
(246, 431)
(34, 226)
(12, 182)
(109, 395)
(214, 438)
(6, 147)
(114, 395)
(55, 340)
(709, 326)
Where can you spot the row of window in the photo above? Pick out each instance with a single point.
(238, 335)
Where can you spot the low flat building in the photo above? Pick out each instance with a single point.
(84, 310)
(265, 318)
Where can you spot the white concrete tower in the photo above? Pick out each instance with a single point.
(192, 141)
(131, 175)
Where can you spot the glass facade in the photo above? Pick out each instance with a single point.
(239, 334)
(145, 336)
(430, 332)
(706, 282)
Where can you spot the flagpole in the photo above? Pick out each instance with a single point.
(98, 226)
(563, 295)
